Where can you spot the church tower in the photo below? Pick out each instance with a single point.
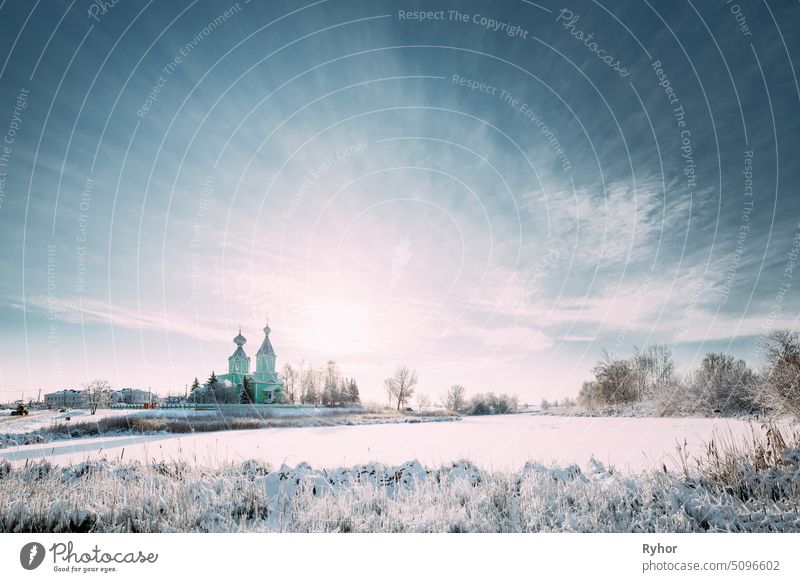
(265, 357)
(268, 387)
(238, 362)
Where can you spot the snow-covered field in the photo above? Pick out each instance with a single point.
(502, 443)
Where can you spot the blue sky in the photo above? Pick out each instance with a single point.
(492, 197)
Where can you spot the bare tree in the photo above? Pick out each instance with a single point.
(491, 403)
(330, 391)
(309, 378)
(587, 396)
(290, 382)
(401, 386)
(653, 368)
(725, 384)
(456, 398)
(97, 394)
(643, 365)
(616, 381)
(780, 389)
(681, 396)
(423, 401)
(664, 371)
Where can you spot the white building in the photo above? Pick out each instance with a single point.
(131, 396)
(66, 399)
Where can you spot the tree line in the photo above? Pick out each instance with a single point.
(721, 384)
(216, 392)
(326, 386)
(402, 385)
(304, 384)
(320, 385)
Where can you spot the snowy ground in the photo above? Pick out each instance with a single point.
(503, 443)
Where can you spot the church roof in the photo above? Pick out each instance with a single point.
(266, 345)
(239, 353)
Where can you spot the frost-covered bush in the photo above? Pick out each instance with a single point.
(680, 397)
(725, 384)
(616, 382)
(721, 384)
(491, 403)
(587, 397)
(780, 386)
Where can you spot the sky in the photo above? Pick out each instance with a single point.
(492, 193)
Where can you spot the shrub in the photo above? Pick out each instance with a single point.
(455, 399)
(725, 384)
(587, 397)
(679, 397)
(722, 384)
(616, 382)
(479, 405)
(780, 388)
(654, 370)
(491, 403)
(502, 403)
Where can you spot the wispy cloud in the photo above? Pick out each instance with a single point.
(91, 311)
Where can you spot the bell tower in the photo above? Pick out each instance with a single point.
(265, 357)
(238, 362)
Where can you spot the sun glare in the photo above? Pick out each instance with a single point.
(334, 325)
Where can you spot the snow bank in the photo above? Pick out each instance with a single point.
(107, 496)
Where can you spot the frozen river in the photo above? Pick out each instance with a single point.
(492, 442)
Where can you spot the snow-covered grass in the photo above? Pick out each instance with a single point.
(44, 419)
(751, 487)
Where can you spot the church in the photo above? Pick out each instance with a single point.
(265, 385)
